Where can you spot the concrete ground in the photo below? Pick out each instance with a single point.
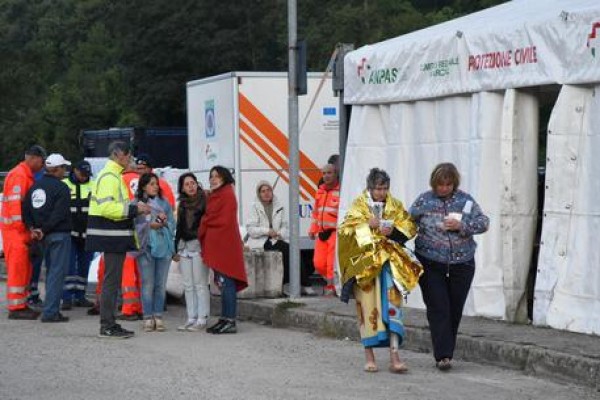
(549, 354)
(67, 361)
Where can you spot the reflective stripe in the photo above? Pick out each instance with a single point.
(131, 301)
(110, 232)
(129, 289)
(85, 209)
(73, 209)
(103, 200)
(16, 289)
(11, 219)
(327, 209)
(74, 286)
(13, 197)
(16, 302)
(325, 223)
(78, 234)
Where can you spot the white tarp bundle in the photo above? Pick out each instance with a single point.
(567, 292)
(451, 93)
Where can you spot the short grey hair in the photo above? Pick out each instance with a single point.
(377, 177)
(117, 147)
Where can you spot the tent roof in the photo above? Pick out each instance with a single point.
(438, 60)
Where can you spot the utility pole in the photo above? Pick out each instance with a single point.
(338, 90)
(294, 159)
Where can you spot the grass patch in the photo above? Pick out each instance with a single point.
(287, 305)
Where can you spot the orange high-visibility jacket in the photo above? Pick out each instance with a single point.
(325, 210)
(17, 183)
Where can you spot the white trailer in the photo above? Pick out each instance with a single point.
(239, 120)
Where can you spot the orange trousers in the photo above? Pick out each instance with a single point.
(324, 258)
(130, 286)
(18, 267)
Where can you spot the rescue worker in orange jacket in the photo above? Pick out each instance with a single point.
(144, 164)
(131, 281)
(15, 236)
(324, 225)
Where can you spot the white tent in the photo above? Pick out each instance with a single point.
(469, 91)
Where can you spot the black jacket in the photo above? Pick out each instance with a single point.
(46, 206)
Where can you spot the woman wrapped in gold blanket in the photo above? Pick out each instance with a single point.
(376, 267)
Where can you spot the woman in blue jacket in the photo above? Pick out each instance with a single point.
(447, 219)
(156, 240)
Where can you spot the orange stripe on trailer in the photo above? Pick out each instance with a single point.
(278, 159)
(267, 161)
(277, 137)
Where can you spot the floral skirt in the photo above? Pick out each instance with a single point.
(378, 307)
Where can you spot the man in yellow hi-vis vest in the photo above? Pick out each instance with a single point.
(111, 230)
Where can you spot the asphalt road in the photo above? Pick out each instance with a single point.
(68, 361)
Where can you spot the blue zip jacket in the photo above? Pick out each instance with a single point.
(437, 244)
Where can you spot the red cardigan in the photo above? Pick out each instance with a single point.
(219, 235)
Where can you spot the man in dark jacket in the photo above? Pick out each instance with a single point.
(46, 213)
(80, 186)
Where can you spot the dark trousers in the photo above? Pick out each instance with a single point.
(284, 248)
(445, 297)
(113, 270)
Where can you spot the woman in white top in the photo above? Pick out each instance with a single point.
(267, 225)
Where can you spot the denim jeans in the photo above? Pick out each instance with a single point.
(58, 249)
(195, 281)
(79, 266)
(154, 273)
(228, 297)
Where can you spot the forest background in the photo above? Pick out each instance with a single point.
(68, 65)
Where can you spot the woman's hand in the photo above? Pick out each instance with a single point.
(386, 230)
(273, 234)
(451, 224)
(156, 225)
(374, 222)
(176, 257)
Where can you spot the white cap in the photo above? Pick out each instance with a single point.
(56, 160)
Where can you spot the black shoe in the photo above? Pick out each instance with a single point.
(83, 303)
(95, 310)
(227, 327)
(58, 317)
(216, 326)
(66, 305)
(115, 332)
(128, 332)
(24, 313)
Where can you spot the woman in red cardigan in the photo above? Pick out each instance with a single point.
(222, 248)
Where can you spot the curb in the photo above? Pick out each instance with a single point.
(529, 358)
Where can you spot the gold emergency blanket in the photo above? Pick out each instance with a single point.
(362, 251)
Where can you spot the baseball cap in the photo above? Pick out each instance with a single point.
(85, 167)
(56, 160)
(144, 159)
(36, 150)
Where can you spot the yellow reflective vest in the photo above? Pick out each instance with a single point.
(110, 218)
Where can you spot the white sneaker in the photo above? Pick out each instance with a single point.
(159, 325)
(199, 325)
(308, 291)
(148, 325)
(185, 327)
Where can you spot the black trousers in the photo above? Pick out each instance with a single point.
(445, 297)
(284, 248)
(113, 270)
